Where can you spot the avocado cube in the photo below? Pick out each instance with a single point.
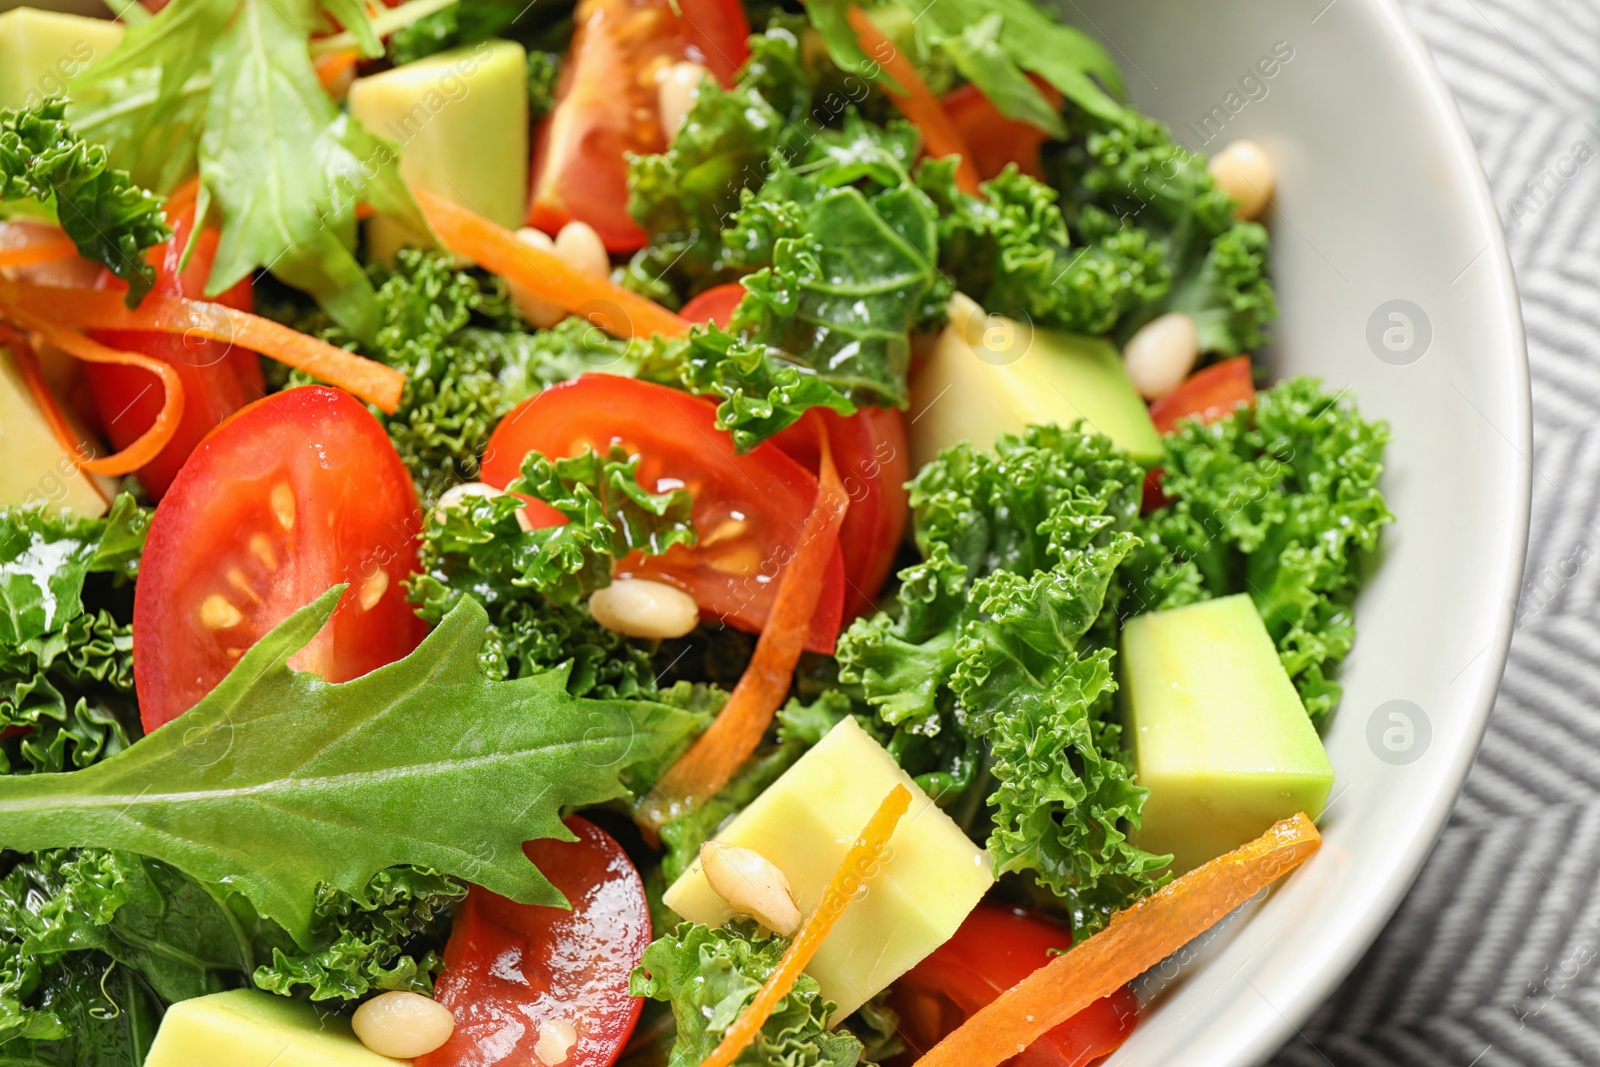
(37, 467)
(806, 821)
(460, 119)
(1220, 738)
(40, 51)
(246, 1028)
(989, 375)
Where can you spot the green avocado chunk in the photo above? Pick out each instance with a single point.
(245, 1028)
(1220, 738)
(988, 376)
(40, 51)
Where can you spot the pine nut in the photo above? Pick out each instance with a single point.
(675, 92)
(581, 247)
(556, 1038)
(462, 491)
(751, 885)
(536, 309)
(403, 1025)
(1161, 355)
(639, 607)
(1244, 171)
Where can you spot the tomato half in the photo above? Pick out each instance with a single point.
(606, 104)
(715, 304)
(872, 457)
(294, 494)
(1207, 394)
(509, 967)
(750, 509)
(995, 948)
(218, 379)
(994, 139)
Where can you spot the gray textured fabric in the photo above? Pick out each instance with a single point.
(1494, 958)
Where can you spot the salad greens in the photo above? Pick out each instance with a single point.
(48, 170)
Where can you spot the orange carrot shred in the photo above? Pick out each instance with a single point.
(718, 753)
(618, 311)
(103, 309)
(916, 101)
(49, 250)
(854, 872)
(333, 67)
(150, 443)
(1134, 941)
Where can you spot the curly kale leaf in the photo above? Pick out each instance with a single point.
(1282, 502)
(1123, 175)
(111, 220)
(710, 976)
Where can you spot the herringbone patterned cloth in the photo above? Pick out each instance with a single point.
(1494, 959)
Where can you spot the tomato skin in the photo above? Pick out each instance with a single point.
(606, 105)
(715, 305)
(761, 498)
(509, 966)
(874, 461)
(995, 948)
(217, 378)
(994, 139)
(293, 494)
(1208, 394)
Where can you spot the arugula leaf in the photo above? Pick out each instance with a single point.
(710, 976)
(409, 764)
(992, 43)
(111, 220)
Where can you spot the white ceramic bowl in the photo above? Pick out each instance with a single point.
(1381, 199)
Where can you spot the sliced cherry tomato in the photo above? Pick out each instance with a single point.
(218, 379)
(749, 508)
(294, 494)
(509, 967)
(995, 948)
(994, 139)
(870, 451)
(1208, 394)
(715, 304)
(606, 104)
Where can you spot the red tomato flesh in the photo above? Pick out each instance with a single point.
(510, 967)
(294, 494)
(715, 305)
(1208, 395)
(995, 948)
(218, 379)
(872, 457)
(749, 509)
(994, 139)
(606, 104)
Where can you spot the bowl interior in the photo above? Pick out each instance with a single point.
(1395, 286)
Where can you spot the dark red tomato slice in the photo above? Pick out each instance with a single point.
(218, 379)
(995, 948)
(871, 455)
(749, 509)
(509, 967)
(296, 493)
(1208, 394)
(994, 139)
(606, 104)
(715, 304)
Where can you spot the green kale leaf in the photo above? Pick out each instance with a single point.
(45, 166)
(710, 976)
(410, 764)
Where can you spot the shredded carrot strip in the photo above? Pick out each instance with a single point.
(102, 309)
(609, 306)
(858, 867)
(49, 250)
(333, 66)
(718, 754)
(916, 102)
(27, 363)
(150, 443)
(1134, 941)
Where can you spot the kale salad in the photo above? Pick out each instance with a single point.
(660, 532)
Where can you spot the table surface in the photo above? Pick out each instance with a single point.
(1494, 958)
